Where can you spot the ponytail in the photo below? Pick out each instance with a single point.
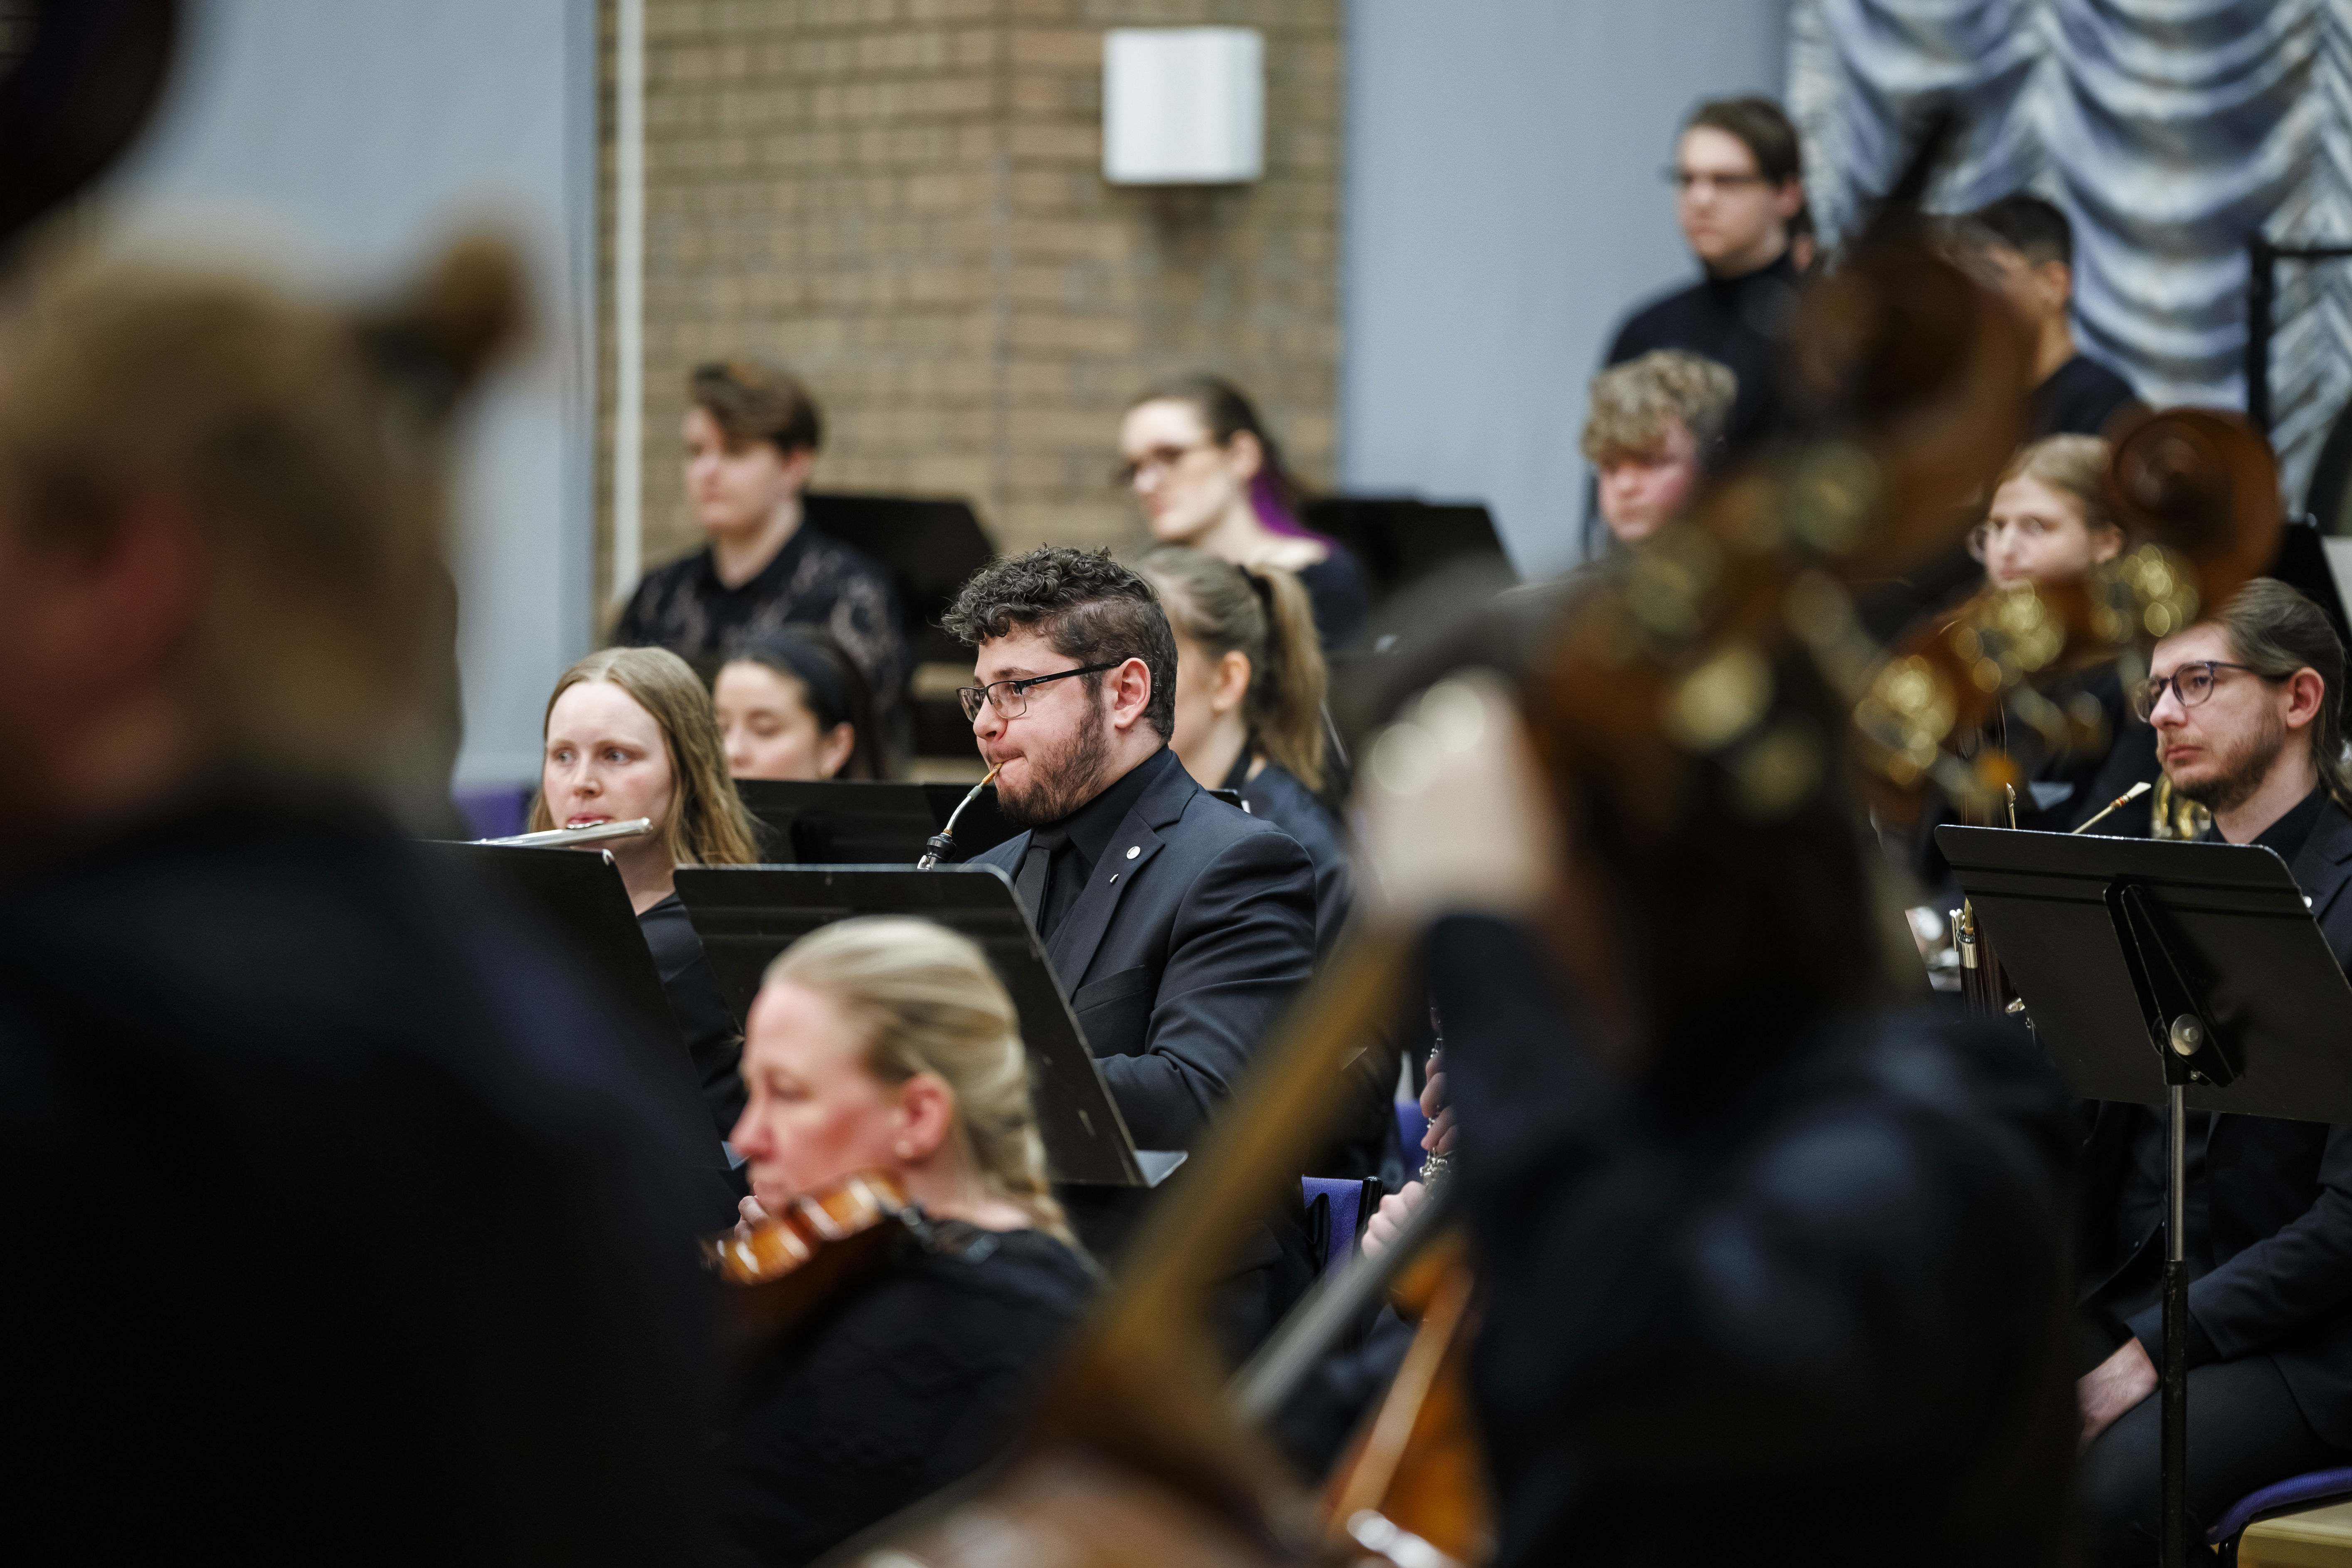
(1284, 705)
(1265, 614)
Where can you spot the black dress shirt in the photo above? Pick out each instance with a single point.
(1077, 843)
(1736, 322)
(814, 580)
(2082, 397)
(909, 1381)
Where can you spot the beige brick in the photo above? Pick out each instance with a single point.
(902, 199)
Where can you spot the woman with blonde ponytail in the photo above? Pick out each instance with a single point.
(1250, 680)
(889, 1045)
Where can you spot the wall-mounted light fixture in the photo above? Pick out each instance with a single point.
(1183, 106)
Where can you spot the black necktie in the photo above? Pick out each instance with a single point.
(1034, 868)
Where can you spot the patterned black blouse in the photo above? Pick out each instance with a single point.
(814, 580)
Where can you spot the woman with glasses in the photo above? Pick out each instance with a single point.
(1206, 472)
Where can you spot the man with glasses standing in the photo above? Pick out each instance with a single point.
(1179, 925)
(2246, 707)
(1738, 182)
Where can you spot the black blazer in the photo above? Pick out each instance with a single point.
(2279, 1198)
(1196, 928)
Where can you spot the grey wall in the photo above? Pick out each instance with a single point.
(336, 141)
(1503, 210)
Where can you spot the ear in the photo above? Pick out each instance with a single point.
(2306, 690)
(2107, 543)
(926, 1115)
(798, 466)
(833, 748)
(2056, 280)
(1788, 199)
(1128, 689)
(1232, 681)
(1246, 456)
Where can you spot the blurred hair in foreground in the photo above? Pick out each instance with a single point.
(300, 454)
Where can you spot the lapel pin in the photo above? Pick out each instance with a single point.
(1133, 850)
(1114, 875)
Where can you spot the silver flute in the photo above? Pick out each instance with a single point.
(564, 837)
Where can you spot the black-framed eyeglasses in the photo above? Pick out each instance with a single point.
(1011, 698)
(2192, 683)
(1160, 460)
(1684, 179)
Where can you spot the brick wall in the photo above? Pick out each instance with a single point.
(903, 201)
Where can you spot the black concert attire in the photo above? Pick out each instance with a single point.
(336, 1216)
(814, 580)
(1339, 594)
(1180, 927)
(1276, 795)
(1821, 1282)
(906, 1382)
(2081, 397)
(2270, 1261)
(1736, 322)
(712, 1038)
(1365, 1141)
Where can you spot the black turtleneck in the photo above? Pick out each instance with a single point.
(1737, 322)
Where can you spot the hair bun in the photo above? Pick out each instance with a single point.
(440, 333)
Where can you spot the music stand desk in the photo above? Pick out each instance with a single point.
(869, 822)
(2170, 974)
(748, 914)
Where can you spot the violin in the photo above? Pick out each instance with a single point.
(778, 1273)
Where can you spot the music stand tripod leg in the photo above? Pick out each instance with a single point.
(2173, 1472)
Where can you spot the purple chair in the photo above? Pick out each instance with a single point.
(1411, 1125)
(2295, 1491)
(1346, 1206)
(497, 812)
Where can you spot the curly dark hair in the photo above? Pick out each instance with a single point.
(1089, 607)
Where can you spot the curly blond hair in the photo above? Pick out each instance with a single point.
(1631, 403)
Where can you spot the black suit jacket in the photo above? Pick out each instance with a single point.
(2279, 1198)
(1195, 930)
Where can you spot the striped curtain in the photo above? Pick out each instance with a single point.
(2171, 131)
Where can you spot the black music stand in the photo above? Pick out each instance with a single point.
(846, 822)
(1402, 539)
(577, 897)
(748, 914)
(2163, 972)
(930, 545)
